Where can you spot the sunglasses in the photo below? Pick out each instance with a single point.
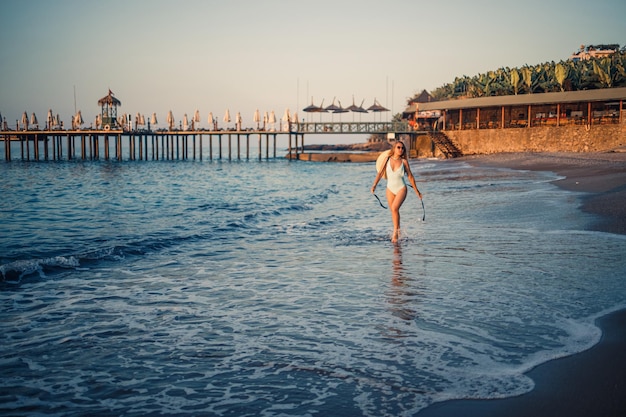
(400, 147)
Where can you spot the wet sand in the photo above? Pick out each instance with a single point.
(601, 175)
(591, 383)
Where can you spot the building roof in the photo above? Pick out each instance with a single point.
(110, 100)
(602, 94)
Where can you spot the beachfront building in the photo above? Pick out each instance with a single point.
(108, 113)
(570, 121)
(588, 108)
(593, 51)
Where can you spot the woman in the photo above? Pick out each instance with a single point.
(395, 168)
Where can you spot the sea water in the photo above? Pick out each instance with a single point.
(248, 288)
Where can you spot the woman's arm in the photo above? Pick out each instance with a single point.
(378, 177)
(411, 177)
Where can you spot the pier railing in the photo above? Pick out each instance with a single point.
(352, 127)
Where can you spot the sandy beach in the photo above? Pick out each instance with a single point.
(591, 383)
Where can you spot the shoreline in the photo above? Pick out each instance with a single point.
(588, 383)
(602, 176)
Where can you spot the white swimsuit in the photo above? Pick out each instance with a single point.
(395, 179)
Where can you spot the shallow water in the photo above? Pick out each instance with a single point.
(271, 287)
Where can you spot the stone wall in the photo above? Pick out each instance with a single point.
(573, 138)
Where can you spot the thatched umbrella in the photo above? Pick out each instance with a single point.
(333, 108)
(340, 110)
(376, 107)
(315, 109)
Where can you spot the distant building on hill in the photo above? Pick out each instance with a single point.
(594, 51)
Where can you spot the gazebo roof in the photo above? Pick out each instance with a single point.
(423, 97)
(110, 100)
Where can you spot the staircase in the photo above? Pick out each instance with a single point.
(445, 145)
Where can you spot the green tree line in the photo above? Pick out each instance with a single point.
(607, 72)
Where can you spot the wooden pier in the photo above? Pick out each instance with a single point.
(136, 145)
(92, 144)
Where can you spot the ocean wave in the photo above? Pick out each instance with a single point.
(16, 270)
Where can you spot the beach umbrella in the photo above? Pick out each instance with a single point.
(196, 116)
(98, 121)
(377, 108)
(33, 119)
(170, 120)
(185, 122)
(333, 108)
(285, 121)
(25, 120)
(238, 120)
(227, 116)
(79, 119)
(361, 109)
(266, 118)
(294, 118)
(353, 107)
(153, 120)
(49, 118)
(211, 121)
(356, 109)
(272, 120)
(340, 110)
(312, 108)
(257, 118)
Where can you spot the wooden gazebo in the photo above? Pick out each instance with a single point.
(108, 114)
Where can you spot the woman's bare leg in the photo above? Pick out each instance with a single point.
(395, 201)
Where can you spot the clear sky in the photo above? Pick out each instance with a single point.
(244, 55)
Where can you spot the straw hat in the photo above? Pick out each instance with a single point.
(380, 161)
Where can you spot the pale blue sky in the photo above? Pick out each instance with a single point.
(242, 55)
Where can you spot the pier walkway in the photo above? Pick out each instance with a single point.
(92, 144)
